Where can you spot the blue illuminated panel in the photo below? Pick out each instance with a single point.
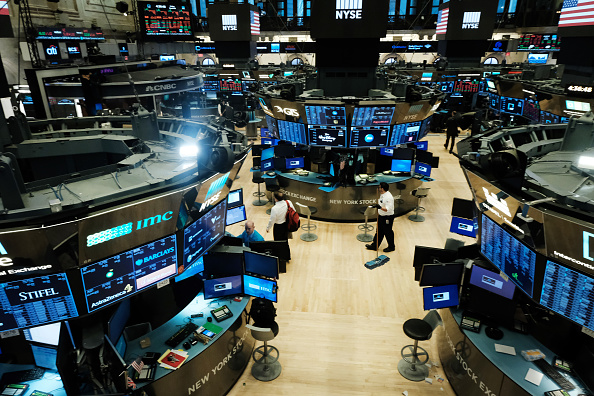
(369, 136)
(400, 165)
(370, 116)
(508, 254)
(512, 105)
(422, 169)
(294, 163)
(548, 118)
(405, 133)
(112, 233)
(202, 234)
(440, 297)
(463, 227)
(258, 287)
(119, 276)
(325, 115)
(292, 132)
(35, 301)
(494, 102)
(221, 287)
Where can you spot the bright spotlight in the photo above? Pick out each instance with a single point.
(188, 150)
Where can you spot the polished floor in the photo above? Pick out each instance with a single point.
(340, 323)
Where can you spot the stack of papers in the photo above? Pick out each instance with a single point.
(172, 359)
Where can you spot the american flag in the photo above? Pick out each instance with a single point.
(577, 13)
(442, 21)
(4, 8)
(131, 384)
(138, 364)
(255, 23)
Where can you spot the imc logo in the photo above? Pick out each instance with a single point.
(349, 9)
(229, 22)
(587, 254)
(4, 261)
(471, 20)
(52, 50)
(214, 191)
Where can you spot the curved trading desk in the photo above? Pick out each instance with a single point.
(473, 367)
(345, 203)
(210, 369)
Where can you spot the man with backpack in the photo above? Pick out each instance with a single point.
(278, 217)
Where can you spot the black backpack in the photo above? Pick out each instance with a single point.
(262, 311)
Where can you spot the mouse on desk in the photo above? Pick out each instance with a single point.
(494, 333)
(209, 319)
(187, 345)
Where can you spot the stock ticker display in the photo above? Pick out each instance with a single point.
(405, 133)
(292, 132)
(325, 115)
(369, 136)
(230, 84)
(164, 19)
(35, 301)
(204, 232)
(369, 116)
(508, 254)
(569, 293)
(118, 276)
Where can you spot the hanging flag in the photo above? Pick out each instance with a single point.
(442, 21)
(254, 23)
(577, 13)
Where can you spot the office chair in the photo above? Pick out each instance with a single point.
(420, 193)
(308, 236)
(412, 366)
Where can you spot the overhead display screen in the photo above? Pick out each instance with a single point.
(512, 105)
(468, 86)
(540, 42)
(349, 19)
(69, 33)
(164, 21)
(230, 84)
(204, 233)
(368, 116)
(327, 136)
(405, 133)
(467, 20)
(508, 254)
(369, 136)
(35, 301)
(292, 132)
(117, 277)
(568, 293)
(325, 115)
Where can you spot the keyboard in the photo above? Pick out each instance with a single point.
(16, 377)
(181, 335)
(553, 374)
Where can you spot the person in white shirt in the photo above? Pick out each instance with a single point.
(385, 206)
(278, 218)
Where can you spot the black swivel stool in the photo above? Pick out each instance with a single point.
(398, 199)
(308, 236)
(412, 366)
(272, 186)
(420, 193)
(258, 179)
(367, 211)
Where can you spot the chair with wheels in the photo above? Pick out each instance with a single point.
(368, 211)
(304, 210)
(266, 365)
(258, 179)
(271, 186)
(412, 366)
(420, 193)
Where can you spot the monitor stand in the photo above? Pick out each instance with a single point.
(494, 333)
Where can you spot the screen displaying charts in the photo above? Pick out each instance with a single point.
(405, 133)
(369, 116)
(508, 254)
(512, 105)
(325, 115)
(35, 301)
(369, 136)
(569, 293)
(116, 277)
(165, 19)
(292, 132)
(327, 136)
(548, 118)
(204, 233)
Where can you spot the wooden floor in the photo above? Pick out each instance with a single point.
(340, 323)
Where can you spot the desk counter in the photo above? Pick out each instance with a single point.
(49, 383)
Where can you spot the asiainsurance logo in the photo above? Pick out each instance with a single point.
(214, 191)
(471, 20)
(349, 9)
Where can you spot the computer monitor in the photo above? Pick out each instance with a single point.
(387, 151)
(257, 150)
(292, 132)
(267, 165)
(331, 171)
(260, 264)
(278, 249)
(221, 265)
(464, 227)
(424, 156)
(235, 198)
(325, 115)
(492, 281)
(46, 334)
(422, 169)
(269, 141)
(45, 356)
(294, 163)
(429, 255)
(118, 320)
(267, 153)
(259, 287)
(236, 215)
(116, 367)
(440, 297)
(222, 287)
(284, 150)
(424, 145)
(228, 240)
(463, 208)
(404, 153)
(441, 274)
(401, 165)
(375, 136)
(331, 136)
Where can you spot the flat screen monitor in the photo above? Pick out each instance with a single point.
(118, 320)
(235, 198)
(267, 153)
(236, 215)
(272, 127)
(115, 365)
(45, 356)
(424, 145)
(228, 240)
(404, 153)
(508, 254)
(284, 150)
(423, 169)
(441, 274)
(194, 269)
(119, 276)
(401, 165)
(292, 132)
(548, 118)
(261, 264)
(463, 208)
(577, 106)
(221, 265)
(294, 163)
(230, 85)
(331, 171)
(22, 296)
(164, 21)
(424, 156)
(538, 59)
(269, 142)
(429, 255)
(373, 116)
(492, 282)
(494, 102)
(259, 287)
(405, 133)
(440, 297)
(166, 57)
(512, 105)
(330, 136)
(325, 115)
(539, 42)
(278, 249)
(387, 151)
(46, 334)
(223, 287)
(463, 227)
(369, 136)
(266, 165)
(204, 233)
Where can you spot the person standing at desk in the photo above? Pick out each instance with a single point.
(250, 234)
(278, 218)
(452, 130)
(385, 206)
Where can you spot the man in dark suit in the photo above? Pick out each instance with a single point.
(452, 128)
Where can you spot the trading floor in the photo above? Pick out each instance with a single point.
(340, 323)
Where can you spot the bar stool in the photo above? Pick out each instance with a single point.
(367, 211)
(412, 366)
(272, 186)
(308, 236)
(420, 193)
(398, 199)
(266, 365)
(258, 179)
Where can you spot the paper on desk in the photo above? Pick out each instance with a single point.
(534, 376)
(510, 350)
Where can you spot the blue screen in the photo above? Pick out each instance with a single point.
(325, 115)
(258, 287)
(332, 170)
(440, 297)
(235, 198)
(269, 142)
(512, 105)
(424, 145)
(387, 151)
(292, 132)
(45, 357)
(463, 227)
(221, 287)
(267, 153)
(368, 116)
(202, 234)
(194, 269)
(399, 165)
(423, 169)
(369, 136)
(261, 264)
(267, 165)
(548, 118)
(235, 215)
(405, 133)
(166, 57)
(492, 282)
(494, 101)
(293, 163)
(508, 254)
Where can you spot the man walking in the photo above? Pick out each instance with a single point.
(385, 206)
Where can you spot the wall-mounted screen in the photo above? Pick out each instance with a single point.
(440, 297)
(258, 287)
(119, 276)
(204, 233)
(164, 21)
(230, 85)
(292, 132)
(539, 42)
(371, 116)
(327, 136)
(222, 287)
(466, 86)
(325, 115)
(369, 136)
(405, 133)
(512, 105)
(492, 282)
(68, 33)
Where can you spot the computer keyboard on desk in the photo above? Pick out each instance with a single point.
(16, 377)
(181, 334)
(554, 375)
